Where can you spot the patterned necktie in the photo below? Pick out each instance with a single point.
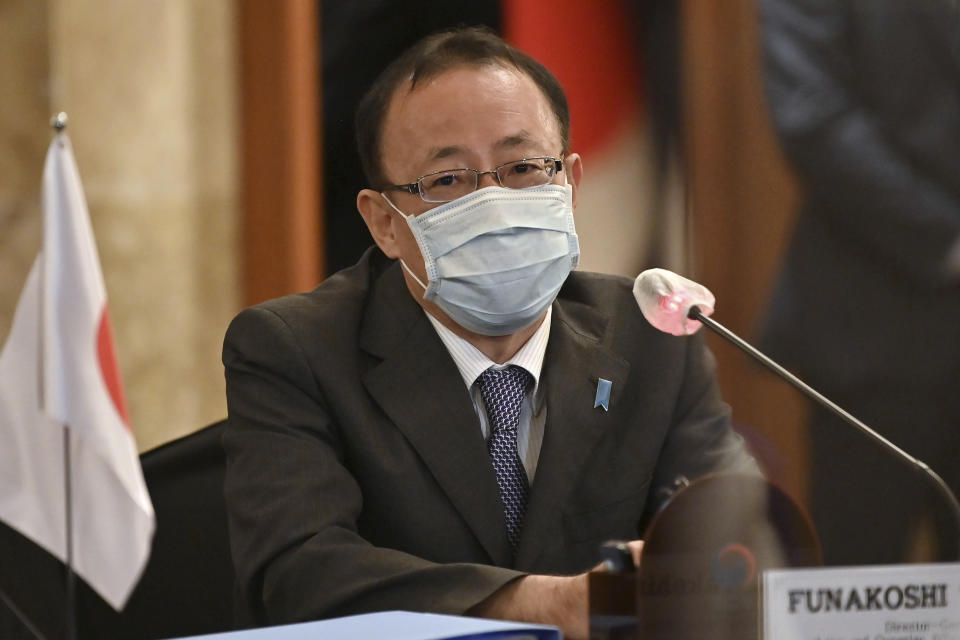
(502, 391)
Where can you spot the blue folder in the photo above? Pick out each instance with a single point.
(396, 625)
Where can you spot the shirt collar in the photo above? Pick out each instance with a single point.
(472, 362)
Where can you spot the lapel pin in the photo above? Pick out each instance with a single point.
(603, 394)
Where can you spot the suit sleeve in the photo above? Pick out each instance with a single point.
(293, 504)
(839, 148)
(700, 440)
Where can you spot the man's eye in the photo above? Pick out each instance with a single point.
(526, 169)
(447, 180)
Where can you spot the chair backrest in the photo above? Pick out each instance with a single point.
(187, 587)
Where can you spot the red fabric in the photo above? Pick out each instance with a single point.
(107, 357)
(591, 49)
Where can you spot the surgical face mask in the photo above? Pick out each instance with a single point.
(496, 258)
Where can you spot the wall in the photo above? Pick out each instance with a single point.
(743, 198)
(149, 88)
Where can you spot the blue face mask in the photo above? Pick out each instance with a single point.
(496, 258)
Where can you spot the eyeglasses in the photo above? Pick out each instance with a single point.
(444, 186)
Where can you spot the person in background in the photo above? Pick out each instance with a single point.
(865, 96)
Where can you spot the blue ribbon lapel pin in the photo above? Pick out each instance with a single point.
(603, 394)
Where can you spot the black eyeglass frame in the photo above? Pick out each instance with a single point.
(415, 188)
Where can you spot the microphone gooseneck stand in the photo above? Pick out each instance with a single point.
(918, 465)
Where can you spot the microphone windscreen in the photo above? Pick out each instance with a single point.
(665, 299)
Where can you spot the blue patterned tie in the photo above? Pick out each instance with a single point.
(502, 391)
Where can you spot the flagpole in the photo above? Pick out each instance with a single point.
(59, 123)
(70, 578)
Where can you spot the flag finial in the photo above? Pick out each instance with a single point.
(59, 121)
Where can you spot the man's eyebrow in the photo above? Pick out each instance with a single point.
(444, 152)
(507, 142)
(515, 140)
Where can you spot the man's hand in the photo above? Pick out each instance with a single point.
(558, 600)
(636, 550)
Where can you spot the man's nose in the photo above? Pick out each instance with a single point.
(487, 179)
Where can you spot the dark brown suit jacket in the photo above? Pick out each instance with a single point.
(357, 476)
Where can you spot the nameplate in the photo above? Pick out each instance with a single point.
(888, 602)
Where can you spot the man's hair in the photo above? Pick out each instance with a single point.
(430, 57)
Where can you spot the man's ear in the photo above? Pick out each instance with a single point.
(380, 219)
(573, 166)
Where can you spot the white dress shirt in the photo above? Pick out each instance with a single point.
(533, 414)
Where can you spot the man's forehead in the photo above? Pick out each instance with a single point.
(456, 94)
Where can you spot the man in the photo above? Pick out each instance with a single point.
(435, 428)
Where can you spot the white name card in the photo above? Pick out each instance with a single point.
(889, 602)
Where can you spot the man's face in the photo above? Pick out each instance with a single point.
(467, 117)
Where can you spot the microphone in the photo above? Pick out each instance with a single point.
(665, 300)
(678, 306)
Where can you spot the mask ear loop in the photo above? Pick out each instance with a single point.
(394, 207)
(402, 263)
(412, 274)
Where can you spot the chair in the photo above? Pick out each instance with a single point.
(187, 586)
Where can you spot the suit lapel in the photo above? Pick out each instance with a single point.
(420, 389)
(574, 362)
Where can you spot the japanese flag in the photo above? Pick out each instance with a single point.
(60, 385)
